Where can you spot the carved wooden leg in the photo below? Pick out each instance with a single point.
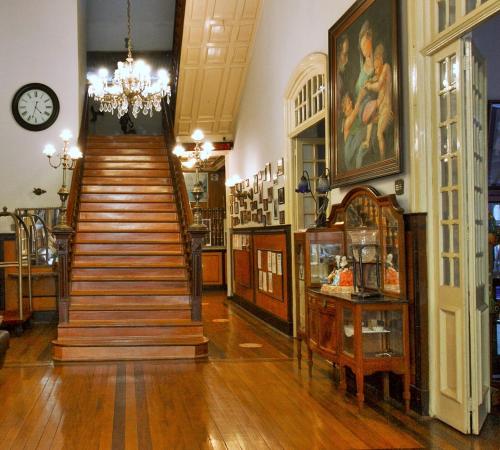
(342, 383)
(310, 359)
(386, 385)
(360, 388)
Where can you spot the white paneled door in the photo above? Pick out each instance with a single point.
(477, 210)
(460, 229)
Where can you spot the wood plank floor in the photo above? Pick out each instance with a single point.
(240, 398)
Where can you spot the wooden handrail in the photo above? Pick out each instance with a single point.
(64, 236)
(76, 179)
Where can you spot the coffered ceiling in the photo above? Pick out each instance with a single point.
(217, 43)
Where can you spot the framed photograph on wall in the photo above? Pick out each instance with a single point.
(280, 169)
(363, 52)
(282, 217)
(281, 195)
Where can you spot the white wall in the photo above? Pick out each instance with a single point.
(285, 37)
(38, 43)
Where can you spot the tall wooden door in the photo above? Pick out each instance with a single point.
(477, 189)
(460, 230)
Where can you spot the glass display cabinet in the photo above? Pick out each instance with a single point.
(374, 338)
(355, 313)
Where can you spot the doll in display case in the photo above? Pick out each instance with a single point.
(391, 275)
(340, 279)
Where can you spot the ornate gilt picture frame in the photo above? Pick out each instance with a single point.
(364, 84)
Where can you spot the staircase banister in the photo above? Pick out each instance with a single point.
(76, 179)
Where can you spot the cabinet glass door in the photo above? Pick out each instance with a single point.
(348, 331)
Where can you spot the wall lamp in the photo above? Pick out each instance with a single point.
(322, 189)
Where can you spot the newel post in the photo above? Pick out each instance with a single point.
(63, 241)
(197, 236)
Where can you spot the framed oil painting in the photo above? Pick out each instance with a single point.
(364, 85)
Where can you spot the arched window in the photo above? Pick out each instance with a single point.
(306, 128)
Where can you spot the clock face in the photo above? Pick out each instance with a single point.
(35, 107)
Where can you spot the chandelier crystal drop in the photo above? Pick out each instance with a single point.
(131, 86)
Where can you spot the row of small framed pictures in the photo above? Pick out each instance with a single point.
(258, 205)
(262, 175)
(259, 217)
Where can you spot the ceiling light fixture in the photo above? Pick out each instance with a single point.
(195, 159)
(132, 85)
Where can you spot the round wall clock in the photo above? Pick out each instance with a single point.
(35, 106)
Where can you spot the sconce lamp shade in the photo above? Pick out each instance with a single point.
(324, 186)
(304, 186)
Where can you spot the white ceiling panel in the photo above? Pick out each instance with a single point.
(216, 48)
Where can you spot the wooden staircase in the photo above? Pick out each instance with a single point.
(130, 287)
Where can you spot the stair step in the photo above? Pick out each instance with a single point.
(130, 349)
(103, 301)
(128, 249)
(126, 139)
(127, 217)
(115, 306)
(125, 165)
(127, 226)
(124, 158)
(115, 151)
(125, 328)
(112, 238)
(128, 261)
(118, 148)
(129, 314)
(133, 341)
(125, 173)
(127, 189)
(79, 288)
(157, 207)
(126, 198)
(117, 181)
(127, 274)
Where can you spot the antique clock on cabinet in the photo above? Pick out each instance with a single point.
(35, 106)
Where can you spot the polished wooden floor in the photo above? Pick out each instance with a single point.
(241, 398)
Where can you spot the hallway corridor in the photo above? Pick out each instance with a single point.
(243, 397)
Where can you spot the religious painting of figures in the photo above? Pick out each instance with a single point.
(364, 101)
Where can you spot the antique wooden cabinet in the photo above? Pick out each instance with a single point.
(351, 278)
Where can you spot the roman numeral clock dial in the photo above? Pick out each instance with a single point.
(35, 106)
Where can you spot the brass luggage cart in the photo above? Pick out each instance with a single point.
(18, 268)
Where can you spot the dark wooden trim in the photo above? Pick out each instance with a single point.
(63, 243)
(197, 236)
(417, 288)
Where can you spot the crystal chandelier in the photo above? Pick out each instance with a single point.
(131, 85)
